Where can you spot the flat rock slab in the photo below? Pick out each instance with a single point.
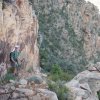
(23, 82)
(25, 91)
(50, 94)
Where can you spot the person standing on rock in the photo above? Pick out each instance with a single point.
(14, 59)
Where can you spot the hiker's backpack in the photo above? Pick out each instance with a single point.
(10, 56)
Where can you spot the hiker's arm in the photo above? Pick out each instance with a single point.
(22, 60)
(13, 60)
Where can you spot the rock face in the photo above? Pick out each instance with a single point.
(86, 25)
(3, 69)
(19, 25)
(86, 84)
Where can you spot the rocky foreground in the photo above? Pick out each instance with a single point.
(25, 86)
(33, 88)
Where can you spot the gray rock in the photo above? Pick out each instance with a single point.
(15, 95)
(12, 81)
(2, 91)
(13, 88)
(97, 66)
(23, 82)
(21, 86)
(3, 70)
(73, 83)
(25, 91)
(50, 94)
(36, 79)
(85, 85)
(36, 97)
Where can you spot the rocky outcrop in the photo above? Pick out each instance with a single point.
(25, 90)
(19, 26)
(86, 84)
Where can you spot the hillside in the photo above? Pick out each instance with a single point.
(69, 33)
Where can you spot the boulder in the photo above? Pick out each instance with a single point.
(15, 95)
(13, 88)
(36, 79)
(35, 97)
(50, 94)
(25, 91)
(23, 82)
(3, 70)
(2, 91)
(85, 85)
(12, 81)
(73, 83)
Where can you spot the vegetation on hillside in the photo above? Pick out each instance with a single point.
(56, 80)
(65, 51)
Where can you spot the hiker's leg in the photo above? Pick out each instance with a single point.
(15, 71)
(17, 68)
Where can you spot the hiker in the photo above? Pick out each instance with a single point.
(14, 59)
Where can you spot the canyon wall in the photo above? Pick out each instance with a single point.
(19, 26)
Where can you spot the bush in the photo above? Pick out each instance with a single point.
(59, 89)
(30, 70)
(57, 73)
(9, 76)
(98, 94)
(6, 78)
(56, 70)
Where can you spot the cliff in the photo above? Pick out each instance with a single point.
(19, 26)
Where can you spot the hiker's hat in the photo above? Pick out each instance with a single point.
(17, 46)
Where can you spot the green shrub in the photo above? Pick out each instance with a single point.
(9, 76)
(30, 70)
(59, 89)
(6, 78)
(57, 73)
(98, 94)
(56, 69)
